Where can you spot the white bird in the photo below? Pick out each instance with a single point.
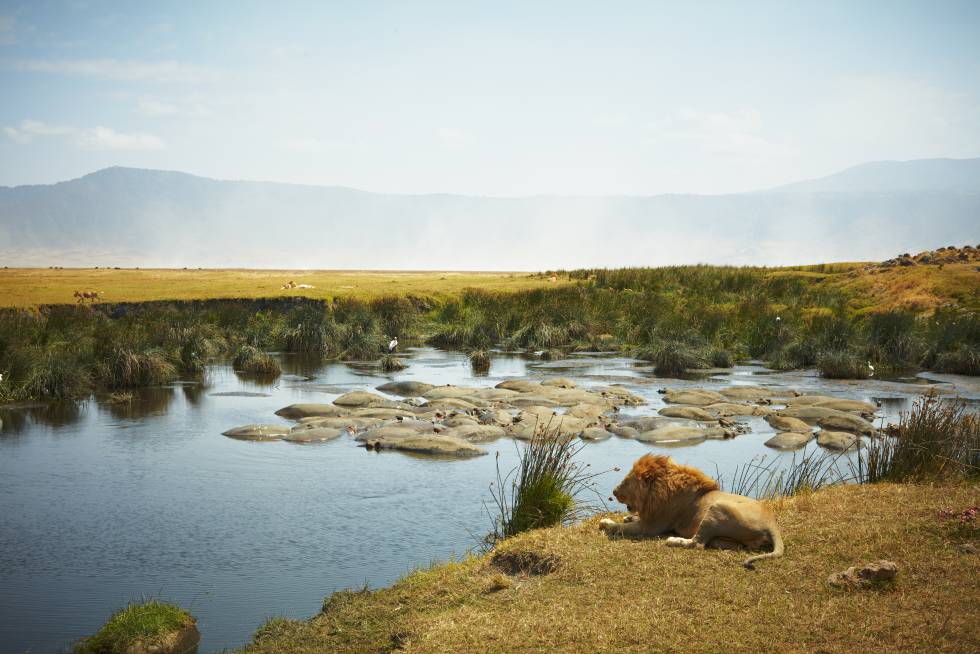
(393, 344)
(778, 318)
(872, 369)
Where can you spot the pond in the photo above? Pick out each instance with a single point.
(104, 503)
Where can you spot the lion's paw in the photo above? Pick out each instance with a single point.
(630, 518)
(606, 524)
(676, 541)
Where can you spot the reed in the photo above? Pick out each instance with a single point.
(765, 478)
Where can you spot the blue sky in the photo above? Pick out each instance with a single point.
(492, 98)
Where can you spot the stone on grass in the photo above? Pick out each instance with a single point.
(865, 576)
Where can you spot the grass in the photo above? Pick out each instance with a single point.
(29, 287)
(764, 478)
(146, 621)
(391, 363)
(254, 361)
(620, 596)
(934, 440)
(543, 490)
(479, 361)
(672, 357)
(842, 364)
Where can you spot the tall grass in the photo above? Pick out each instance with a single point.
(254, 361)
(935, 439)
(543, 490)
(146, 621)
(842, 364)
(765, 478)
(673, 357)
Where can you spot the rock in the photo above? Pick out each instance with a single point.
(297, 411)
(523, 430)
(687, 412)
(866, 576)
(694, 396)
(449, 391)
(560, 382)
(725, 409)
(789, 440)
(838, 441)
(808, 400)
(436, 444)
(315, 435)
(498, 417)
(967, 548)
(476, 433)
(386, 432)
(418, 426)
(258, 432)
(847, 422)
(359, 399)
(595, 434)
(786, 423)
(406, 388)
(520, 385)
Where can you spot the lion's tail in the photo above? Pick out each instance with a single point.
(777, 549)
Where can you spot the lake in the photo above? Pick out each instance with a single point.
(102, 504)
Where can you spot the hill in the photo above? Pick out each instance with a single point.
(149, 218)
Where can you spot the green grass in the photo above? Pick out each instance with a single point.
(254, 361)
(146, 621)
(842, 364)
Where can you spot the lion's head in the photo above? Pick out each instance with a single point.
(655, 481)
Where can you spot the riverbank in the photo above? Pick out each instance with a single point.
(625, 596)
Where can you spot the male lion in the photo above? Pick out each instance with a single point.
(668, 497)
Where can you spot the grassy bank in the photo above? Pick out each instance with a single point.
(625, 596)
(678, 318)
(29, 287)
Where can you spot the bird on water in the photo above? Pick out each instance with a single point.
(393, 344)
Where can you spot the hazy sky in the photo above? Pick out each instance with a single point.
(494, 98)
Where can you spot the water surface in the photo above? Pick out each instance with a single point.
(101, 504)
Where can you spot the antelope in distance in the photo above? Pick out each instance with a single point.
(92, 296)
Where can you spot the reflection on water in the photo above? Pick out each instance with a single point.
(103, 502)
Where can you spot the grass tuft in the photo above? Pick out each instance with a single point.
(480, 361)
(254, 361)
(147, 622)
(672, 358)
(391, 363)
(842, 364)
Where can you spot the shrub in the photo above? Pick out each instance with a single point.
(722, 358)
(56, 373)
(391, 363)
(842, 364)
(256, 362)
(672, 357)
(964, 360)
(934, 439)
(124, 368)
(145, 622)
(480, 361)
(543, 490)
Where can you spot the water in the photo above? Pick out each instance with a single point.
(102, 504)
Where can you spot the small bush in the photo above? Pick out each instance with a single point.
(391, 363)
(254, 361)
(722, 359)
(552, 355)
(145, 622)
(480, 360)
(964, 360)
(543, 490)
(671, 357)
(56, 374)
(126, 368)
(842, 364)
(934, 439)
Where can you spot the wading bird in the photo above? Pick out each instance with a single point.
(871, 370)
(393, 344)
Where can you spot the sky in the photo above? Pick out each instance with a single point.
(496, 98)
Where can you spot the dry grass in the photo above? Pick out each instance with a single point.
(25, 287)
(916, 288)
(626, 596)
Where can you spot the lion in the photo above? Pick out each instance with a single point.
(672, 498)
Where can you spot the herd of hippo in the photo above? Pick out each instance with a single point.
(450, 420)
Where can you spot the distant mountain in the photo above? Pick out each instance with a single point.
(150, 218)
(962, 175)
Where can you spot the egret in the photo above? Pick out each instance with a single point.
(778, 318)
(393, 344)
(871, 370)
